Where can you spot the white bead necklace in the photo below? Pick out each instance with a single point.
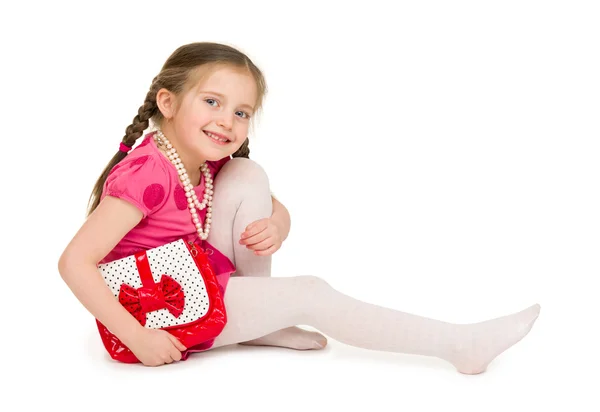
(192, 199)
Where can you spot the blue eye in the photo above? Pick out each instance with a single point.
(247, 116)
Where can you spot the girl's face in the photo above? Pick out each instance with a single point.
(222, 103)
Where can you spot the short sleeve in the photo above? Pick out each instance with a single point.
(141, 181)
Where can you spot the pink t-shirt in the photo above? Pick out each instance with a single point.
(149, 181)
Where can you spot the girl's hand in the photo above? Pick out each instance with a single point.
(155, 347)
(264, 236)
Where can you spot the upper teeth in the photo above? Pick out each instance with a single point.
(215, 137)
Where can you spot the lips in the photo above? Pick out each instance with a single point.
(219, 135)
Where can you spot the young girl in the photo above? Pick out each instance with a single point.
(201, 105)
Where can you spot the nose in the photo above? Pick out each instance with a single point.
(225, 121)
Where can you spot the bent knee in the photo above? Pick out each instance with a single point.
(244, 167)
(244, 170)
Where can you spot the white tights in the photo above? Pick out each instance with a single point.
(263, 309)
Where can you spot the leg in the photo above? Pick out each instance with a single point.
(258, 306)
(242, 196)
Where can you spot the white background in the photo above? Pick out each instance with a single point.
(436, 157)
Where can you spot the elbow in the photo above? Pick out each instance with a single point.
(71, 263)
(63, 265)
(67, 264)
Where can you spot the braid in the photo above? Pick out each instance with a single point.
(132, 133)
(141, 121)
(243, 151)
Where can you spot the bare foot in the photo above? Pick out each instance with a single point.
(481, 342)
(293, 338)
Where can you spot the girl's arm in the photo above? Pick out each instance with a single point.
(281, 217)
(103, 229)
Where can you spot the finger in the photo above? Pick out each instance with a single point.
(255, 227)
(264, 245)
(175, 354)
(167, 359)
(267, 252)
(250, 234)
(259, 237)
(180, 346)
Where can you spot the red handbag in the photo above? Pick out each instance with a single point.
(172, 287)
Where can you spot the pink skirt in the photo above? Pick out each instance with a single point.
(221, 264)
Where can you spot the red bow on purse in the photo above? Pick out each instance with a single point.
(166, 294)
(151, 296)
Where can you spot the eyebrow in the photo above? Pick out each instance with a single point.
(223, 97)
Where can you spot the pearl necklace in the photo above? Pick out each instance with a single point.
(192, 199)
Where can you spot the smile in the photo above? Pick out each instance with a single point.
(217, 139)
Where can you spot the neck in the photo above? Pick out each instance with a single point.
(191, 162)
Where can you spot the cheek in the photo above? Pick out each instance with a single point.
(241, 130)
(192, 119)
(240, 142)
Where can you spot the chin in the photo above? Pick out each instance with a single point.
(213, 155)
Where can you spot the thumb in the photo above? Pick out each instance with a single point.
(177, 343)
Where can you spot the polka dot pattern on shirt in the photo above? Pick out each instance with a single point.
(153, 195)
(139, 161)
(117, 166)
(180, 198)
(172, 259)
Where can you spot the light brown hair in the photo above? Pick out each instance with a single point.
(182, 70)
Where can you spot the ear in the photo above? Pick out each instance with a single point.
(166, 102)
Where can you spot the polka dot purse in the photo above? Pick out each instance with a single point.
(171, 287)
